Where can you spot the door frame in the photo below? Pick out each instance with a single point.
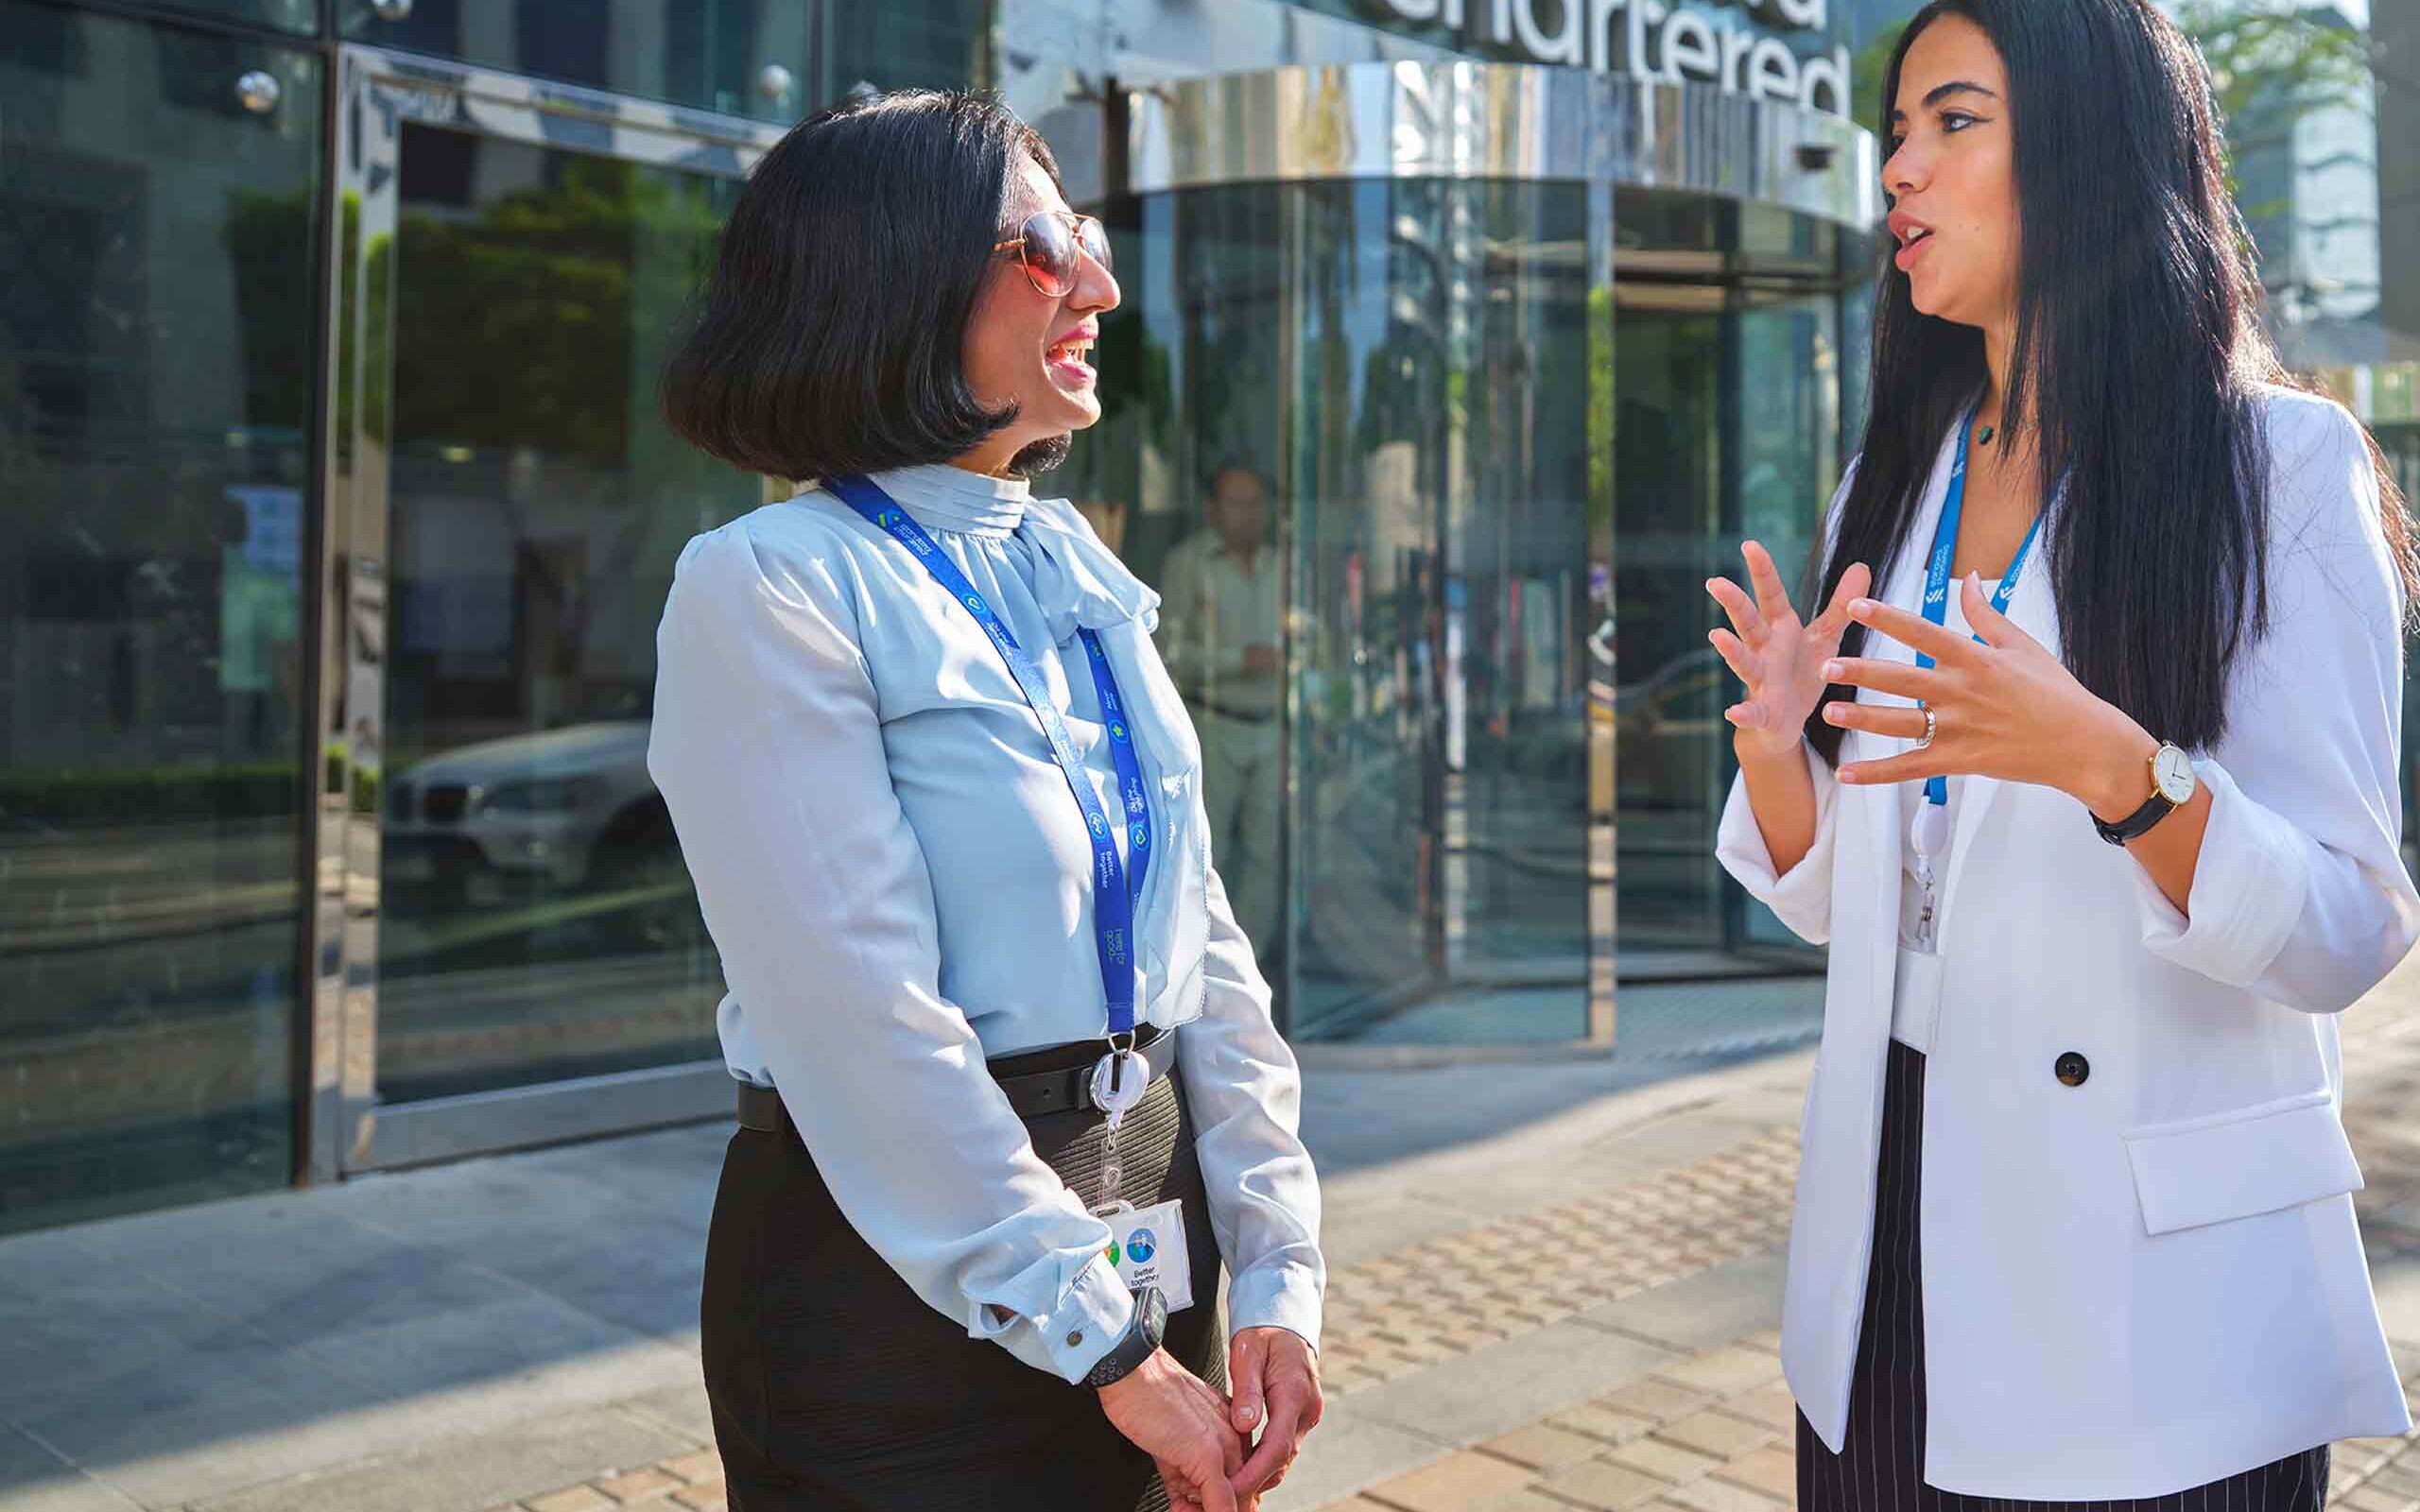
(375, 93)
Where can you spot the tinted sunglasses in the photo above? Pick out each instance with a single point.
(1052, 247)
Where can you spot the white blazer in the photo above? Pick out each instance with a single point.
(2153, 1280)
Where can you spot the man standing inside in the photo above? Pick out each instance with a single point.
(1219, 634)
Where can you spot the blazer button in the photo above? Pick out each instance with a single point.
(2072, 1069)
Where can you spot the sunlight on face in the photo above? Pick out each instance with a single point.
(1018, 349)
(1952, 174)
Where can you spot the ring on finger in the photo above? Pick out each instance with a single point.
(1932, 726)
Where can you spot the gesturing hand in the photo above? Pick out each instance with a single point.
(1273, 1370)
(2003, 707)
(1779, 657)
(1180, 1422)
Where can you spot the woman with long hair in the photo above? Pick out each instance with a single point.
(1008, 1088)
(2086, 770)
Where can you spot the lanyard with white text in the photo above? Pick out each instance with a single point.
(1945, 545)
(1114, 894)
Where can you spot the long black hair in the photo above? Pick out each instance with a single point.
(829, 337)
(2137, 354)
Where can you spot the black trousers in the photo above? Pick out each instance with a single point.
(1880, 1468)
(835, 1389)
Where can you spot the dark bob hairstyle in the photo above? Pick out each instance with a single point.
(828, 337)
(2140, 352)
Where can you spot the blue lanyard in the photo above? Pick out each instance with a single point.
(1115, 891)
(1945, 545)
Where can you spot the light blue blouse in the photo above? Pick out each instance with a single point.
(897, 880)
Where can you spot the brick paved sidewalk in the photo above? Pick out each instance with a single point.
(1610, 1347)
(1713, 1434)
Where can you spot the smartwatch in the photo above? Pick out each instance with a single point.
(1139, 1343)
(2173, 787)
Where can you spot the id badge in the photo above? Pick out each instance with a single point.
(1147, 1246)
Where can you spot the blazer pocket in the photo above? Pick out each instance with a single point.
(2262, 1158)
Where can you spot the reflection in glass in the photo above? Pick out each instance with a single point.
(769, 60)
(1219, 628)
(1726, 427)
(1407, 364)
(155, 340)
(537, 922)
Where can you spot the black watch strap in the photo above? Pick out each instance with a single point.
(2135, 825)
(1139, 1343)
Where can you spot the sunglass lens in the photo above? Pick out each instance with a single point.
(1050, 255)
(1095, 241)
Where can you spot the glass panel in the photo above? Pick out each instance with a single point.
(1412, 359)
(155, 341)
(1727, 427)
(298, 16)
(772, 60)
(537, 922)
(1669, 744)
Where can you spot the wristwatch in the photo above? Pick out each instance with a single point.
(2173, 787)
(1141, 1340)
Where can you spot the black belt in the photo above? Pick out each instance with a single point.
(1030, 1094)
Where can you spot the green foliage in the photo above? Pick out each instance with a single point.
(99, 797)
(1865, 76)
(2270, 61)
(2269, 53)
(521, 319)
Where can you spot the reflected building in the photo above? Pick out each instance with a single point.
(1453, 358)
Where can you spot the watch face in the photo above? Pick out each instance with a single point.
(1154, 1307)
(2174, 771)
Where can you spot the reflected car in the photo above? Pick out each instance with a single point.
(1668, 733)
(569, 810)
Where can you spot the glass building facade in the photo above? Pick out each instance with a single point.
(1451, 364)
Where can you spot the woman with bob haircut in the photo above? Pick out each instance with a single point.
(1010, 1088)
(2086, 770)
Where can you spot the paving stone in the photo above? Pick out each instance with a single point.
(2401, 1478)
(1771, 1406)
(573, 1499)
(1720, 1496)
(1467, 1482)
(1657, 1400)
(636, 1485)
(1716, 1433)
(1772, 1471)
(1543, 1446)
(1603, 1422)
(705, 1465)
(1725, 1371)
(2370, 1499)
(708, 1498)
(1604, 1486)
(1668, 1462)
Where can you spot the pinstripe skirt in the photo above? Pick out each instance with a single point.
(1880, 1468)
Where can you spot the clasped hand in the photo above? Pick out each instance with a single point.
(1203, 1442)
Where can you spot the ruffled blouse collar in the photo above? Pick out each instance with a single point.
(940, 497)
(1077, 582)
